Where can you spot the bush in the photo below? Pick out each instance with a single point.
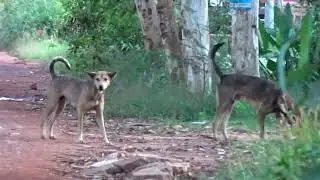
(20, 18)
(42, 49)
(278, 159)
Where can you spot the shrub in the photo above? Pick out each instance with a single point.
(20, 18)
(41, 49)
(278, 159)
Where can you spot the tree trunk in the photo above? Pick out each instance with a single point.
(195, 42)
(279, 4)
(150, 24)
(161, 31)
(269, 14)
(171, 40)
(245, 47)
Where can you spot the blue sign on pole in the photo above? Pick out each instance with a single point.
(241, 4)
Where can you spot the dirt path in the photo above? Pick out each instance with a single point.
(25, 156)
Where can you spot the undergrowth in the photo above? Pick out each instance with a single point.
(40, 49)
(277, 159)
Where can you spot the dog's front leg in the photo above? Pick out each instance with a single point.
(261, 117)
(80, 125)
(279, 119)
(224, 125)
(100, 121)
(215, 127)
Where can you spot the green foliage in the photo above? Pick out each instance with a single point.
(219, 20)
(94, 27)
(305, 36)
(272, 42)
(288, 50)
(41, 49)
(279, 159)
(20, 18)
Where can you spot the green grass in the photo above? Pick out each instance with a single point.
(42, 49)
(276, 159)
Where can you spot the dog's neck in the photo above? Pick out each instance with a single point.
(96, 93)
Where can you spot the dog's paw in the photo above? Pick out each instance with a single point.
(107, 142)
(110, 144)
(52, 137)
(80, 141)
(214, 138)
(225, 143)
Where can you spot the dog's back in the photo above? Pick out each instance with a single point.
(248, 86)
(72, 88)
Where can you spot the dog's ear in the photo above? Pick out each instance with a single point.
(92, 74)
(112, 74)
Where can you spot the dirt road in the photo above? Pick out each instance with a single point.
(24, 155)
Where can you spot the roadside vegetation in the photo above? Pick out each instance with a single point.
(96, 35)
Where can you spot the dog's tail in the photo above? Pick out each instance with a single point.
(56, 59)
(213, 58)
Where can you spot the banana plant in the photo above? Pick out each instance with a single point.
(287, 50)
(272, 42)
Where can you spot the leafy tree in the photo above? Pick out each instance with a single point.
(20, 18)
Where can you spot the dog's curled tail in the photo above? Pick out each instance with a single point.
(56, 59)
(214, 50)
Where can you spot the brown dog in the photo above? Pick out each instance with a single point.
(85, 95)
(262, 94)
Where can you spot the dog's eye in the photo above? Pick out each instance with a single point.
(98, 79)
(105, 79)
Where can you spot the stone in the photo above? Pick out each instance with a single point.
(106, 168)
(179, 168)
(152, 171)
(177, 127)
(116, 155)
(154, 157)
(127, 165)
(34, 86)
(103, 163)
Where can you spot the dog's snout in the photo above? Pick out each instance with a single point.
(100, 87)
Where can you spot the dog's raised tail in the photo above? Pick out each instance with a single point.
(214, 50)
(56, 59)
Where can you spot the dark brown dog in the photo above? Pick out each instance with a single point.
(262, 94)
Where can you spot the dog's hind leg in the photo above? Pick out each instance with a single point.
(217, 122)
(80, 125)
(226, 117)
(100, 122)
(222, 117)
(225, 100)
(59, 108)
(261, 117)
(215, 126)
(48, 110)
